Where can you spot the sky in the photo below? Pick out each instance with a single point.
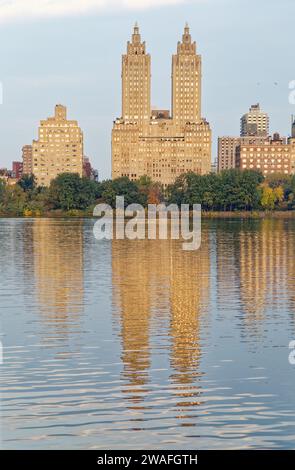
(69, 52)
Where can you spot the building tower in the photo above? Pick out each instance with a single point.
(27, 159)
(59, 148)
(152, 143)
(255, 122)
(186, 81)
(136, 81)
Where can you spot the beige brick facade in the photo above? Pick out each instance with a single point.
(149, 142)
(59, 148)
(27, 151)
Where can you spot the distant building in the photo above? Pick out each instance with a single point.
(27, 159)
(255, 122)
(275, 155)
(226, 158)
(293, 127)
(160, 114)
(8, 176)
(227, 149)
(214, 167)
(17, 170)
(151, 142)
(59, 148)
(88, 171)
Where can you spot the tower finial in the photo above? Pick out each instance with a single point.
(136, 28)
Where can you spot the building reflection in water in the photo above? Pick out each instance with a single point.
(58, 270)
(189, 306)
(153, 279)
(255, 267)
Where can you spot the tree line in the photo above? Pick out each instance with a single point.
(70, 194)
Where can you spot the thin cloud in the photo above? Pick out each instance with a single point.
(11, 10)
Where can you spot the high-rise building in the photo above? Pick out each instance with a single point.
(136, 81)
(228, 146)
(255, 122)
(27, 159)
(59, 148)
(293, 128)
(150, 142)
(186, 81)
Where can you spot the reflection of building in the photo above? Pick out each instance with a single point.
(155, 281)
(150, 142)
(58, 267)
(189, 297)
(265, 257)
(59, 148)
(133, 302)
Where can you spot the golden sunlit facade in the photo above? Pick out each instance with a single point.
(275, 155)
(146, 142)
(59, 148)
(27, 151)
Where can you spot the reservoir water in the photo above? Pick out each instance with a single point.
(139, 344)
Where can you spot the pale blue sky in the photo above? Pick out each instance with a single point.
(70, 52)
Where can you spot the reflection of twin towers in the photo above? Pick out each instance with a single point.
(161, 293)
(157, 285)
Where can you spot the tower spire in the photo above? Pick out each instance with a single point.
(186, 38)
(136, 35)
(136, 28)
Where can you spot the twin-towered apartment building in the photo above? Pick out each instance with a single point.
(155, 143)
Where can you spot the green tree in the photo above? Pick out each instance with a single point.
(27, 182)
(69, 191)
(123, 187)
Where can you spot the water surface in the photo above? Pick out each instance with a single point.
(138, 344)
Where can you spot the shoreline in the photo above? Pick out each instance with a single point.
(205, 215)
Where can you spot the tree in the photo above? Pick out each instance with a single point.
(123, 187)
(152, 190)
(2, 189)
(69, 191)
(268, 198)
(27, 182)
